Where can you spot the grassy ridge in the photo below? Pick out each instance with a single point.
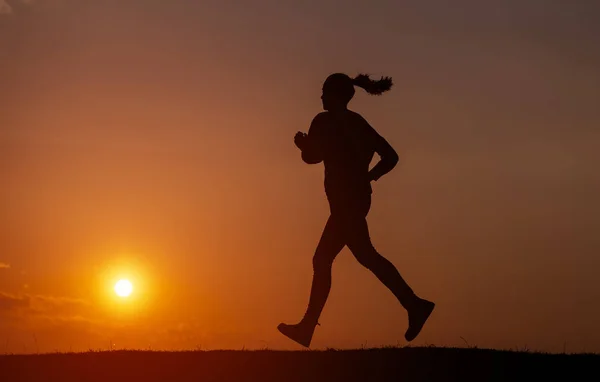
(390, 364)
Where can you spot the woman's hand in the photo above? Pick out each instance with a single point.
(300, 139)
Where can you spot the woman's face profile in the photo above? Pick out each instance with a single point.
(326, 99)
(330, 98)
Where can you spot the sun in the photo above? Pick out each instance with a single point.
(123, 288)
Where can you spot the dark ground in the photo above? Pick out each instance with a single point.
(399, 364)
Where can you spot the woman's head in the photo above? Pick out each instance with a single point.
(338, 88)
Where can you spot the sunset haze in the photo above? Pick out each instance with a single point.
(152, 141)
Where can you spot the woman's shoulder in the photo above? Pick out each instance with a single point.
(327, 115)
(325, 118)
(356, 116)
(322, 116)
(321, 120)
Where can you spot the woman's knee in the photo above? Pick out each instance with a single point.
(368, 257)
(322, 262)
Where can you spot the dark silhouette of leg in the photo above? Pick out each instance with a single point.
(359, 242)
(330, 245)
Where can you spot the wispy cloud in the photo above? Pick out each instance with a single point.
(10, 302)
(15, 6)
(77, 324)
(4, 265)
(4, 8)
(36, 305)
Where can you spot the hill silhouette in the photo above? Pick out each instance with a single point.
(386, 364)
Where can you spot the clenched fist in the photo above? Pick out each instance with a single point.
(300, 139)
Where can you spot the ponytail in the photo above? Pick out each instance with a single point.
(373, 87)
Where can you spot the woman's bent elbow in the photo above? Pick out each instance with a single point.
(393, 160)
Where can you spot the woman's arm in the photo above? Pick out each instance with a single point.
(389, 156)
(310, 144)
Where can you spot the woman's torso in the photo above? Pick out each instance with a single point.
(348, 152)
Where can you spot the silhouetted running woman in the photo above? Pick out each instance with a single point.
(346, 143)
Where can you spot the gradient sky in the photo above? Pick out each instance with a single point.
(154, 139)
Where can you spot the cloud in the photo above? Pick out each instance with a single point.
(11, 303)
(32, 306)
(4, 8)
(18, 6)
(59, 306)
(11, 6)
(4, 265)
(67, 323)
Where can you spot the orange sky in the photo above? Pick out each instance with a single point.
(153, 139)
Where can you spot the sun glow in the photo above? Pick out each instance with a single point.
(123, 288)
